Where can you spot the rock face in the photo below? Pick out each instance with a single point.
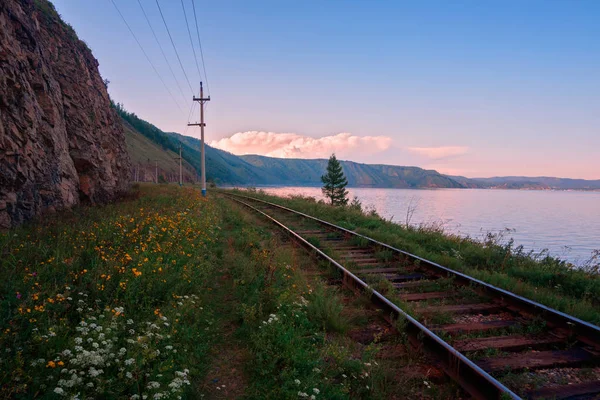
(60, 141)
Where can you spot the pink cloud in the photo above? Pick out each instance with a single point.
(293, 145)
(438, 153)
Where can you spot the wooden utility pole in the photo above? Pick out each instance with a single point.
(180, 173)
(202, 100)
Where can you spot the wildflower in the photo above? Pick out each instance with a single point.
(59, 391)
(18, 295)
(316, 391)
(297, 381)
(51, 364)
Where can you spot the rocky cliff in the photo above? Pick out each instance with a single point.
(60, 141)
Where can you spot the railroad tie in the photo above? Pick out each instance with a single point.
(532, 360)
(507, 343)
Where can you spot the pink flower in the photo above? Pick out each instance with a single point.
(18, 295)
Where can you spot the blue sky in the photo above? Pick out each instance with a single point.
(465, 87)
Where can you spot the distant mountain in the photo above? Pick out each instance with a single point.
(308, 172)
(226, 168)
(531, 183)
(544, 182)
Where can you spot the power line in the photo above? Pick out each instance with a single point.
(146, 55)
(191, 41)
(189, 116)
(174, 48)
(161, 49)
(201, 53)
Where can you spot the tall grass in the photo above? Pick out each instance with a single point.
(110, 300)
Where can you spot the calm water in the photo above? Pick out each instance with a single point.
(565, 223)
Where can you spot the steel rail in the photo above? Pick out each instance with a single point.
(586, 331)
(474, 380)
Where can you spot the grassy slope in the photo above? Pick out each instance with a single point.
(144, 151)
(547, 280)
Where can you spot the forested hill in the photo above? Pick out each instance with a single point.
(308, 172)
(228, 169)
(261, 170)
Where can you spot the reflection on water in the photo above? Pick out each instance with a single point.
(565, 223)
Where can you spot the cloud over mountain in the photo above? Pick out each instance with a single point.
(293, 145)
(438, 153)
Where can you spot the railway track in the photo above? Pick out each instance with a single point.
(482, 335)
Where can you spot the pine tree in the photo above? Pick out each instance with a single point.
(334, 183)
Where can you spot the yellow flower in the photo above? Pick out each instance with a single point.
(51, 364)
(60, 363)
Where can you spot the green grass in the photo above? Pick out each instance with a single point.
(145, 152)
(121, 288)
(137, 297)
(548, 280)
(325, 309)
(293, 329)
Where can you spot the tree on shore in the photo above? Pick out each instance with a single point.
(334, 183)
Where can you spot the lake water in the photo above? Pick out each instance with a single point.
(565, 223)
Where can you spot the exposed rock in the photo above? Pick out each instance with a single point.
(60, 141)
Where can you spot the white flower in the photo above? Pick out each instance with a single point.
(316, 391)
(297, 381)
(59, 391)
(153, 385)
(129, 361)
